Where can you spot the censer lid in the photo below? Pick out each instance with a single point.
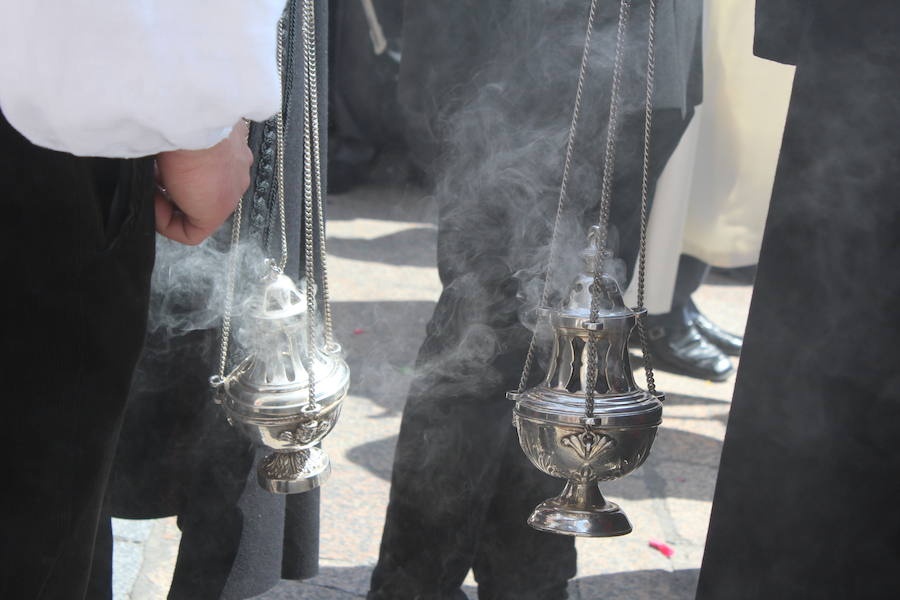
(278, 296)
(274, 380)
(634, 409)
(576, 308)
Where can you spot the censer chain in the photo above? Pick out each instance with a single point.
(604, 219)
(234, 250)
(563, 188)
(645, 195)
(606, 192)
(313, 203)
(311, 61)
(308, 211)
(279, 149)
(609, 163)
(312, 192)
(229, 286)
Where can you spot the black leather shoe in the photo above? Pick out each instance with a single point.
(677, 345)
(728, 343)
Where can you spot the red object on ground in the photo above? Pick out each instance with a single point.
(358, 331)
(663, 547)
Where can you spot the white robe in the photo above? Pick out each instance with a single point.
(128, 78)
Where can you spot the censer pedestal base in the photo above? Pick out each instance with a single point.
(580, 510)
(294, 472)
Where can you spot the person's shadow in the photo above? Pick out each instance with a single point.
(352, 583)
(380, 342)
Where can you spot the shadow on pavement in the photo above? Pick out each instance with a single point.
(639, 585)
(332, 583)
(335, 583)
(682, 464)
(408, 204)
(410, 247)
(382, 352)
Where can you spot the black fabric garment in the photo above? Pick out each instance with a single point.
(691, 273)
(449, 44)
(780, 27)
(77, 251)
(806, 500)
(500, 85)
(364, 112)
(178, 455)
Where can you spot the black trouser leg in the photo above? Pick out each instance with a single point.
(512, 559)
(100, 584)
(452, 500)
(77, 248)
(691, 273)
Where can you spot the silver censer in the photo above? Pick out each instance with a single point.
(267, 396)
(286, 392)
(585, 447)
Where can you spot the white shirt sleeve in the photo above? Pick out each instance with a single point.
(128, 78)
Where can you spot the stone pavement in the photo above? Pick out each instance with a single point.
(382, 246)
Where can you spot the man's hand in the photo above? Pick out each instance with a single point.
(202, 187)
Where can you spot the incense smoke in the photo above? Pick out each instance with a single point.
(499, 140)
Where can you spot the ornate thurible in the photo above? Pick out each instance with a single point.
(286, 390)
(267, 396)
(557, 433)
(587, 421)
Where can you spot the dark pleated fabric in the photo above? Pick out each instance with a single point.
(77, 252)
(806, 500)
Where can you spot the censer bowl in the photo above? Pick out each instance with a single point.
(587, 421)
(558, 439)
(280, 417)
(289, 434)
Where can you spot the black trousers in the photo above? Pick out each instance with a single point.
(691, 273)
(77, 250)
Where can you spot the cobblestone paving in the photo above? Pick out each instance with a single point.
(382, 245)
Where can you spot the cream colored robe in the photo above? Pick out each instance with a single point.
(712, 198)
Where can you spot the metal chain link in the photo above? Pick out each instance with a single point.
(313, 89)
(228, 309)
(645, 194)
(563, 188)
(229, 285)
(311, 160)
(308, 199)
(238, 217)
(609, 163)
(279, 143)
(612, 128)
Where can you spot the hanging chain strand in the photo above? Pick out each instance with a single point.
(308, 200)
(563, 188)
(279, 143)
(229, 286)
(645, 195)
(609, 163)
(311, 161)
(313, 87)
(238, 217)
(612, 129)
